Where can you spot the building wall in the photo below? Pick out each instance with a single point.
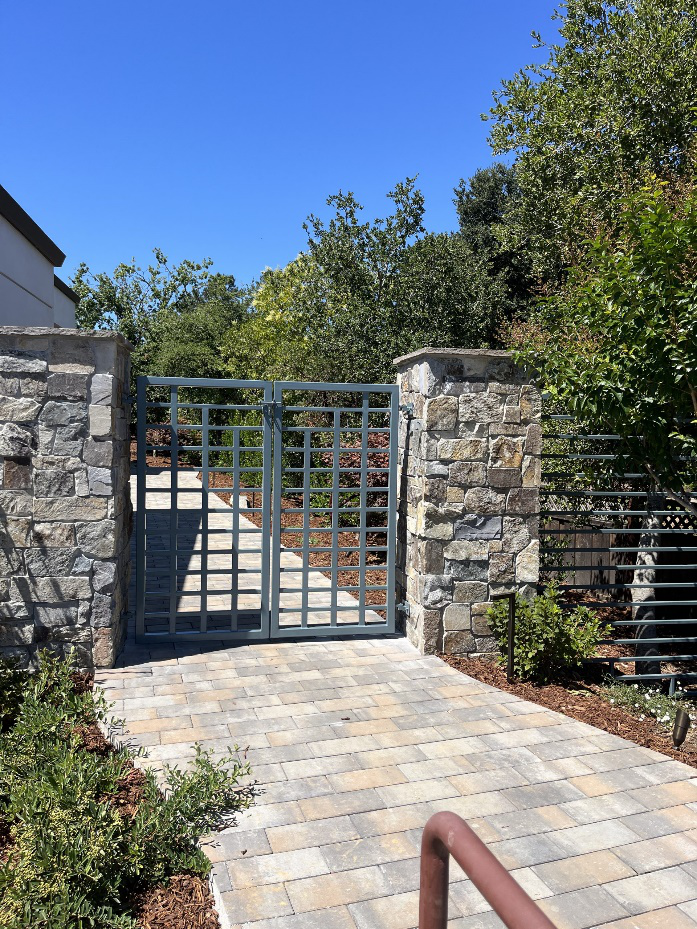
(28, 296)
(65, 508)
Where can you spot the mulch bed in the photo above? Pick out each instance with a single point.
(582, 701)
(185, 903)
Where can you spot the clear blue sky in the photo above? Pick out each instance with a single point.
(211, 128)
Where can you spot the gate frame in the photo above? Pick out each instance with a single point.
(272, 429)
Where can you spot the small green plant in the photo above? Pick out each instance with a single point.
(548, 638)
(76, 858)
(645, 702)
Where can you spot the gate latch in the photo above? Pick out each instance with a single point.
(404, 607)
(406, 408)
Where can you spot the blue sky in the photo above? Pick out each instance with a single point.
(212, 128)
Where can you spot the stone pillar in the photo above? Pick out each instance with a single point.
(65, 509)
(469, 459)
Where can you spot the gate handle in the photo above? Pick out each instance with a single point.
(446, 834)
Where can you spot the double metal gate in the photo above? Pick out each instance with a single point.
(265, 510)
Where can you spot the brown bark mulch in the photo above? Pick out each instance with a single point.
(582, 701)
(184, 903)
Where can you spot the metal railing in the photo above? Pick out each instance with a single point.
(446, 834)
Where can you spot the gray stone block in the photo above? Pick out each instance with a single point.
(49, 563)
(441, 414)
(99, 454)
(55, 615)
(467, 570)
(462, 449)
(437, 590)
(473, 526)
(457, 617)
(103, 612)
(458, 643)
(16, 442)
(485, 501)
(504, 477)
(103, 390)
(19, 409)
(97, 540)
(53, 535)
(104, 576)
(70, 386)
(101, 421)
(15, 503)
(481, 408)
(67, 508)
(467, 473)
(53, 483)
(52, 589)
(470, 592)
(61, 413)
(14, 609)
(21, 362)
(17, 474)
(68, 440)
(100, 481)
(82, 565)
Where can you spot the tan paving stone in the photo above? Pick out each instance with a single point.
(669, 918)
(345, 888)
(358, 853)
(278, 868)
(417, 792)
(263, 902)
(371, 777)
(320, 832)
(352, 801)
(583, 871)
(654, 890)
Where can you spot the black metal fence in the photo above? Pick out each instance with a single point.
(614, 544)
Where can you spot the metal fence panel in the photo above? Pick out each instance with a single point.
(612, 543)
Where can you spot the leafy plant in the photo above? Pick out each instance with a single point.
(76, 857)
(548, 638)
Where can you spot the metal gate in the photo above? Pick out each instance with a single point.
(264, 511)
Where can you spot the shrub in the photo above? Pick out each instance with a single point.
(548, 638)
(76, 859)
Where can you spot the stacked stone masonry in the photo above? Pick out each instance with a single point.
(65, 510)
(470, 442)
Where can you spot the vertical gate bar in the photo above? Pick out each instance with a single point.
(204, 518)
(141, 496)
(307, 464)
(277, 490)
(173, 505)
(391, 592)
(235, 558)
(363, 508)
(336, 479)
(266, 465)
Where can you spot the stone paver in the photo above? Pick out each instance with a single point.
(357, 743)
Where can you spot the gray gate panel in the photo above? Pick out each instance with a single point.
(338, 608)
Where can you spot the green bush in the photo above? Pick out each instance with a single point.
(548, 638)
(76, 859)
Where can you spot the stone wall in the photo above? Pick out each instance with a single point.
(65, 509)
(469, 493)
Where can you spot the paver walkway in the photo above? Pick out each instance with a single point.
(356, 743)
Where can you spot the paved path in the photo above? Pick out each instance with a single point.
(356, 743)
(220, 582)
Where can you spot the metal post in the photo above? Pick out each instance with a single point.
(510, 668)
(447, 834)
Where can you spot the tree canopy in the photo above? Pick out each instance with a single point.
(616, 345)
(613, 103)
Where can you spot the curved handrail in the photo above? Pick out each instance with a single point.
(446, 834)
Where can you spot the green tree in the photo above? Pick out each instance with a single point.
(613, 103)
(366, 292)
(616, 345)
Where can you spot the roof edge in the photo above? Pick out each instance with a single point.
(32, 232)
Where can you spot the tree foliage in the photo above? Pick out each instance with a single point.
(616, 345)
(365, 292)
(613, 103)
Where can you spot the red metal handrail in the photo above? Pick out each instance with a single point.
(446, 834)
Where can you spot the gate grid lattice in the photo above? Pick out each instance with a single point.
(265, 510)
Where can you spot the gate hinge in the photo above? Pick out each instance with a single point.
(406, 408)
(404, 607)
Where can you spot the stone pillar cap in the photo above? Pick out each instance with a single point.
(443, 353)
(43, 331)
